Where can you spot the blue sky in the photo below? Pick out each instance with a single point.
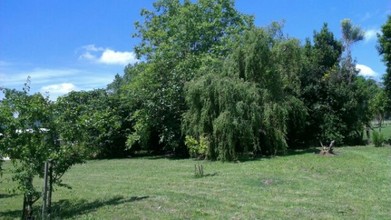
(81, 44)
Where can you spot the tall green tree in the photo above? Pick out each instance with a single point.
(176, 38)
(176, 29)
(384, 49)
(241, 104)
(321, 58)
(334, 95)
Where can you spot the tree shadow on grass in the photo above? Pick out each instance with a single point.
(11, 214)
(73, 208)
(4, 196)
(293, 152)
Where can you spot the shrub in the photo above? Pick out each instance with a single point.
(377, 139)
(197, 149)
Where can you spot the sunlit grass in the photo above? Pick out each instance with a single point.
(355, 184)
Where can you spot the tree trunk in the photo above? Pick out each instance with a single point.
(49, 205)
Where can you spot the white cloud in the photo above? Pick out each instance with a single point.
(92, 47)
(88, 56)
(117, 57)
(371, 34)
(365, 70)
(107, 56)
(58, 89)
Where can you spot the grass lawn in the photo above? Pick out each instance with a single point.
(355, 184)
(386, 131)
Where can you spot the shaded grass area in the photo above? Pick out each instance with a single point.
(385, 130)
(356, 184)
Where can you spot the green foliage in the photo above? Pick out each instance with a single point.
(177, 37)
(378, 105)
(30, 136)
(337, 99)
(326, 51)
(208, 72)
(93, 120)
(176, 29)
(225, 111)
(377, 139)
(240, 105)
(1, 167)
(197, 148)
(384, 49)
(157, 100)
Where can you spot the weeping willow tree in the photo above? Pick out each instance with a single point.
(241, 104)
(226, 111)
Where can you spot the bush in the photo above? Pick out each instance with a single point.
(197, 149)
(377, 139)
(1, 163)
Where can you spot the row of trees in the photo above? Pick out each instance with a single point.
(210, 81)
(209, 72)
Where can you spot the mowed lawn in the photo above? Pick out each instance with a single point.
(355, 184)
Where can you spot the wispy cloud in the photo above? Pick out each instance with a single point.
(107, 56)
(366, 71)
(4, 63)
(371, 34)
(366, 16)
(57, 82)
(37, 75)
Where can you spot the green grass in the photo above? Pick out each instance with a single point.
(385, 130)
(355, 184)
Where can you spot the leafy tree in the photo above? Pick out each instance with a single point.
(176, 38)
(378, 105)
(177, 29)
(355, 107)
(225, 110)
(241, 104)
(335, 96)
(320, 59)
(93, 120)
(30, 137)
(384, 49)
(289, 61)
